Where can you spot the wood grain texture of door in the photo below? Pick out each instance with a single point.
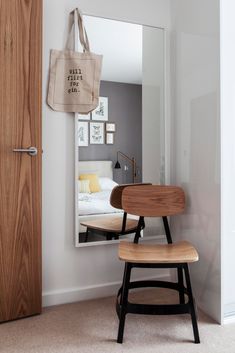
(20, 174)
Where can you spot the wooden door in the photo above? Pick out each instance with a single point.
(20, 173)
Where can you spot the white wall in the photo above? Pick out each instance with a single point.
(227, 35)
(153, 122)
(71, 273)
(153, 128)
(196, 140)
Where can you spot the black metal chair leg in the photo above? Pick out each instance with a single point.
(108, 236)
(123, 301)
(86, 237)
(123, 284)
(181, 284)
(192, 306)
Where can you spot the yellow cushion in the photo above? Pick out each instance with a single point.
(84, 186)
(94, 181)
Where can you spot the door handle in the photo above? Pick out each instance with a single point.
(32, 151)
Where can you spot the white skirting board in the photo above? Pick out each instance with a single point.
(230, 319)
(71, 295)
(229, 314)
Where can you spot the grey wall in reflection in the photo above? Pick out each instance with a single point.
(125, 110)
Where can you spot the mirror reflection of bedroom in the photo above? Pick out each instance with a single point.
(114, 144)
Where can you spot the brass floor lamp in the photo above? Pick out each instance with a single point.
(131, 160)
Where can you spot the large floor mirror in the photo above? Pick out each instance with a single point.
(123, 140)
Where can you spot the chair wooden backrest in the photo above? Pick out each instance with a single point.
(116, 200)
(153, 200)
(116, 194)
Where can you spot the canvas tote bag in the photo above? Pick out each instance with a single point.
(74, 79)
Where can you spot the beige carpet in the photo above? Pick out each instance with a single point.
(91, 326)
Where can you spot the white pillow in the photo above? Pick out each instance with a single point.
(107, 183)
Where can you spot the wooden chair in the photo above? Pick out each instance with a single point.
(156, 201)
(115, 226)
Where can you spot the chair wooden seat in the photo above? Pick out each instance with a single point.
(111, 224)
(179, 252)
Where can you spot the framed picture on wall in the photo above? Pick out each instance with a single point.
(83, 116)
(96, 133)
(82, 134)
(110, 127)
(109, 138)
(101, 112)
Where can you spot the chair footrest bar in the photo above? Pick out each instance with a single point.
(156, 284)
(157, 309)
(161, 309)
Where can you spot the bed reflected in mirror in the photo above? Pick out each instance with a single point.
(95, 204)
(123, 140)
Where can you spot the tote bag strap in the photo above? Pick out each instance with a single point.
(76, 14)
(82, 31)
